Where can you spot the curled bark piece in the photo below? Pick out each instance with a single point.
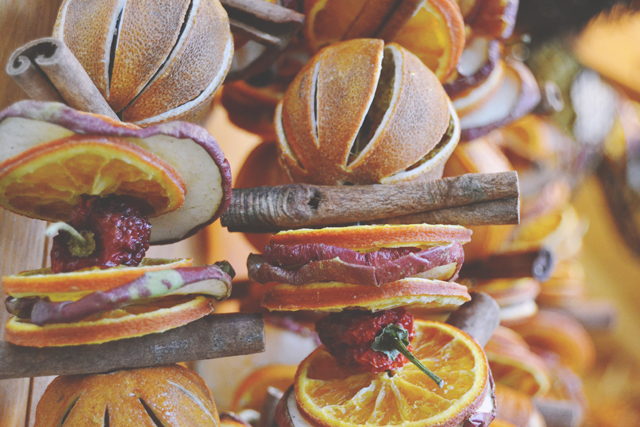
(48, 71)
(269, 209)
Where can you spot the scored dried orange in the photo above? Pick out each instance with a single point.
(435, 34)
(75, 284)
(46, 181)
(337, 396)
(252, 392)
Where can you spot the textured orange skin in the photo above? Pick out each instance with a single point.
(95, 332)
(308, 297)
(363, 237)
(120, 393)
(96, 280)
(151, 73)
(316, 149)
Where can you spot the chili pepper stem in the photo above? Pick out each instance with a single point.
(399, 345)
(81, 244)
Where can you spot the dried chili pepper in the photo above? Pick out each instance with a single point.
(115, 230)
(374, 342)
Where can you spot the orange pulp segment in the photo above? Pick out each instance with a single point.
(46, 181)
(338, 396)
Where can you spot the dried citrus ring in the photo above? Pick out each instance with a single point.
(435, 34)
(46, 181)
(252, 392)
(75, 284)
(432, 295)
(374, 237)
(336, 396)
(132, 321)
(517, 367)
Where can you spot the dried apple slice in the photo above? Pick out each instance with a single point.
(494, 18)
(191, 150)
(470, 100)
(517, 95)
(479, 58)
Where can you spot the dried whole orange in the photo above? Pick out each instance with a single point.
(435, 33)
(331, 395)
(361, 112)
(169, 395)
(152, 61)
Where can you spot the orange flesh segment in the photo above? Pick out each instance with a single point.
(46, 182)
(341, 397)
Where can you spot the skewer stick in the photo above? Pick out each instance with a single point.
(270, 209)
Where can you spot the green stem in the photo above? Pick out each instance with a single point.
(81, 244)
(399, 345)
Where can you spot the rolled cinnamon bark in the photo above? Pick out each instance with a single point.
(48, 71)
(538, 263)
(270, 209)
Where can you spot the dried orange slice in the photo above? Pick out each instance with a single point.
(46, 181)
(434, 296)
(517, 367)
(336, 396)
(252, 392)
(74, 285)
(374, 237)
(131, 321)
(435, 34)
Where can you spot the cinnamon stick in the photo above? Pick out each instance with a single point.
(271, 26)
(382, 19)
(539, 264)
(48, 71)
(479, 317)
(270, 209)
(218, 335)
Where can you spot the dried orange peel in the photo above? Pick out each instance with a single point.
(330, 395)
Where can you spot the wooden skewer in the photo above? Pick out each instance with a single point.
(218, 335)
(539, 264)
(479, 317)
(270, 209)
(48, 71)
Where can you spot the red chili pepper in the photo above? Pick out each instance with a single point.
(349, 335)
